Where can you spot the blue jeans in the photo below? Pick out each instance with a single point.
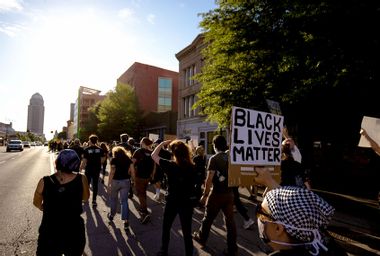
(122, 187)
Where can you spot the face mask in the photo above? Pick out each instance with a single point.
(315, 244)
(261, 229)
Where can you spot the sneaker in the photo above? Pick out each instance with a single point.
(110, 217)
(156, 197)
(198, 239)
(248, 223)
(145, 218)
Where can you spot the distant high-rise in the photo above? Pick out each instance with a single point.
(36, 112)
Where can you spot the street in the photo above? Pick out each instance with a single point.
(355, 224)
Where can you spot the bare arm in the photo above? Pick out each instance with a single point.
(208, 185)
(86, 190)
(265, 178)
(156, 151)
(373, 143)
(38, 198)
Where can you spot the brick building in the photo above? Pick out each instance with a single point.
(157, 93)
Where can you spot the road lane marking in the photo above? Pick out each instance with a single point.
(52, 159)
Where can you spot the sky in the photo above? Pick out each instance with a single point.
(52, 47)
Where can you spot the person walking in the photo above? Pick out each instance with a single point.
(105, 148)
(59, 197)
(199, 160)
(220, 197)
(292, 171)
(77, 148)
(247, 221)
(144, 168)
(93, 158)
(181, 186)
(119, 183)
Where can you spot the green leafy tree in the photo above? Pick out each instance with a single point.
(118, 113)
(304, 54)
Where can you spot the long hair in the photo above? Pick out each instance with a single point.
(120, 153)
(181, 152)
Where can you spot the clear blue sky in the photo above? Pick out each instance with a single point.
(54, 46)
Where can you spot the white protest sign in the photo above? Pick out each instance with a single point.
(372, 127)
(255, 137)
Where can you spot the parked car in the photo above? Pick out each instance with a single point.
(15, 145)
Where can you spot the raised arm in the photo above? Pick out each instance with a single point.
(156, 151)
(373, 143)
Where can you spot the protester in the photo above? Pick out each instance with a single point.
(293, 220)
(376, 149)
(181, 187)
(247, 221)
(77, 148)
(200, 166)
(119, 183)
(221, 197)
(158, 175)
(59, 197)
(93, 158)
(292, 172)
(104, 146)
(144, 168)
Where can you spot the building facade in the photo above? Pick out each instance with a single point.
(190, 124)
(87, 98)
(36, 114)
(156, 90)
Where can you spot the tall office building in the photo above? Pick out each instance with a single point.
(36, 112)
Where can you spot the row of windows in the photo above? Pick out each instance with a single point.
(188, 75)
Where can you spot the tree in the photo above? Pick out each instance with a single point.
(304, 54)
(118, 113)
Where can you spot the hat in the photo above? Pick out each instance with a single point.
(67, 161)
(302, 212)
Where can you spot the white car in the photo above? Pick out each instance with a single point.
(15, 145)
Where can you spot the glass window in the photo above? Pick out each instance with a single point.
(164, 94)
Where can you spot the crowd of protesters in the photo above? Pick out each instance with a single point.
(291, 219)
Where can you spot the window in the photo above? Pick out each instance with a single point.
(164, 94)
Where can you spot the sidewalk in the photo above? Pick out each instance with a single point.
(356, 223)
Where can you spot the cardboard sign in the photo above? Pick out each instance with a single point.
(372, 127)
(255, 141)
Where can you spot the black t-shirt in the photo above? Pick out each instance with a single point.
(180, 181)
(219, 164)
(94, 155)
(200, 167)
(121, 168)
(144, 163)
(78, 149)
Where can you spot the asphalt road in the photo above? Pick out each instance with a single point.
(355, 226)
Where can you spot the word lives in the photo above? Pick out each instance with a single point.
(256, 137)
